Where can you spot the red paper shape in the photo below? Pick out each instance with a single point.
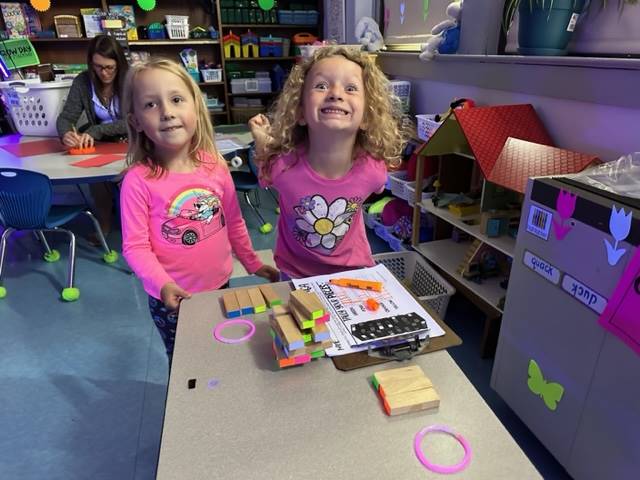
(520, 160)
(99, 160)
(621, 316)
(36, 147)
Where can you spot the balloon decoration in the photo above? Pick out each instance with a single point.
(147, 5)
(265, 4)
(41, 5)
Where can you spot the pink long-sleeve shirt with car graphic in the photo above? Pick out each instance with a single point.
(321, 229)
(182, 228)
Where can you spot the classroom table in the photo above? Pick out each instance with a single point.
(311, 421)
(57, 164)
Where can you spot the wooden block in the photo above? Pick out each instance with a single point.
(404, 385)
(308, 303)
(323, 319)
(280, 310)
(320, 333)
(411, 401)
(244, 301)
(286, 328)
(303, 321)
(307, 336)
(318, 354)
(281, 359)
(270, 295)
(257, 300)
(231, 306)
(411, 371)
(287, 352)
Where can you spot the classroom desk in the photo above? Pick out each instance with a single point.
(57, 165)
(311, 421)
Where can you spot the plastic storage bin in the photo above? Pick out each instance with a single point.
(426, 126)
(211, 75)
(177, 27)
(35, 106)
(420, 278)
(251, 85)
(402, 90)
(403, 188)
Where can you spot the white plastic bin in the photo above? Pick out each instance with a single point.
(251, 85)
(34, 106)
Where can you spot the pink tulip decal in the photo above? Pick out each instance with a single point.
(565, 205)
(619, 226)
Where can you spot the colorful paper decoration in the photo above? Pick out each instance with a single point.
(565, 205)
(18, 53)
(147, 5)
(620, 316)
(41, 5)
(550, 392)
(265, 4)
(619, 226)
(402, 5)
(425, 10)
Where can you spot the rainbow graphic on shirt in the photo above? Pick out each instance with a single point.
(185, 200)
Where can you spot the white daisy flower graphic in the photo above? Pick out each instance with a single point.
(325, 224)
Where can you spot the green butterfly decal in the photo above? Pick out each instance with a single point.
(551, 393)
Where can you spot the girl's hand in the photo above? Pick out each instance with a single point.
(260, 131)
(71, 139)
(268, 272)
(171, 295)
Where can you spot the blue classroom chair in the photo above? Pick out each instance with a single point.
(25, 204)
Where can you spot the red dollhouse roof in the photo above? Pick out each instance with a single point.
(487, 129)
(520, 160)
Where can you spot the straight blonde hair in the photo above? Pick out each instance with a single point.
(141, 148)
(385, 134)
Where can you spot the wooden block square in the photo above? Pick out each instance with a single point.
(320, 333)
(244, 301)
(286, 328)
(405, 389)
(280, 310)
(270, 295)
(411, 401)
(231, 306)
(303, 321)
(257, 300)
(309, 304)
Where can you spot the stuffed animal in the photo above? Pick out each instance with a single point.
(368, 33)
(446, 34)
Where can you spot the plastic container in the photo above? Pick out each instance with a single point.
(177, 27)
(251, 85)
(401, 187)
(420, 278)
(411, 193)
(402, 90)
(211, 75)
(286, 17)
(426, 126)
(34, 106)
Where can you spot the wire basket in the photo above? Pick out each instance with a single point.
(34, 107)
(426, 126)
(177, 27)
(420, 278)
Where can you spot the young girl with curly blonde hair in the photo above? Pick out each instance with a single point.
(335, 131)
(180, 214)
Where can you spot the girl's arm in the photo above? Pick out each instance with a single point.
(261, 131)
(237, 229)
(136, 244)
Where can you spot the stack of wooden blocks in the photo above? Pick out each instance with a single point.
(299, 330)
(250, 300)
(404, 390)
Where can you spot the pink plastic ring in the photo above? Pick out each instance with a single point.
(228, 323)
(417, 441)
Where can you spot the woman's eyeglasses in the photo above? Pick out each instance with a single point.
(104, 68)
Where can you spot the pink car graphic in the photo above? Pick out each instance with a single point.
(189, 227)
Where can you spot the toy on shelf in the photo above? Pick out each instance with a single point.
(405, 390)
(302, 38)
(156, 31)
(270, 46)
(445, 35)
(369, 35)
(249, 42)
(231, 45)
(199, 32)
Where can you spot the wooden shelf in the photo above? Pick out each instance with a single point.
(503, 243)
(254, 94)
(267, 25)
(217, 112)
(447, 255)
(257, 59)
(55, 40)
(190, 41)
(206, 84)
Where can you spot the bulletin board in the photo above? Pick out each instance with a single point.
(408, 23)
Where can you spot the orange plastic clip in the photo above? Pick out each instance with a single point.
(372, 304)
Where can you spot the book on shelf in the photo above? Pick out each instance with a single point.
(14, 19)
(126, 12)
(92, 19)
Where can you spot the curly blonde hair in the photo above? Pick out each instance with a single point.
(141, 148)
(384, 136)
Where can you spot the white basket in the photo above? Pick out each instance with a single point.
(211, 75)
(419, 277)
(34, 107)
(177, 19)
(426, 126)
(403, 188)
(178, 31)
(402, 90)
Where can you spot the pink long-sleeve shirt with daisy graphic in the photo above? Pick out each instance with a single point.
(321, 229)
(182, 228)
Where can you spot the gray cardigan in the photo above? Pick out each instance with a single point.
(80, 100)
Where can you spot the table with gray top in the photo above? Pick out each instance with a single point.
(311, 421)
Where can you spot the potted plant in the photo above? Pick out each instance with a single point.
(544, 26)
(608, 28)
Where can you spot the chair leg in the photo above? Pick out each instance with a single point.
(256, 192)
(109, 256)
(275, 199)
(50, 255)
(248, 199)
(70, 293)
(3, 250)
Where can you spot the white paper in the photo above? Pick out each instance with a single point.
(226, 145)
(346, 305)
